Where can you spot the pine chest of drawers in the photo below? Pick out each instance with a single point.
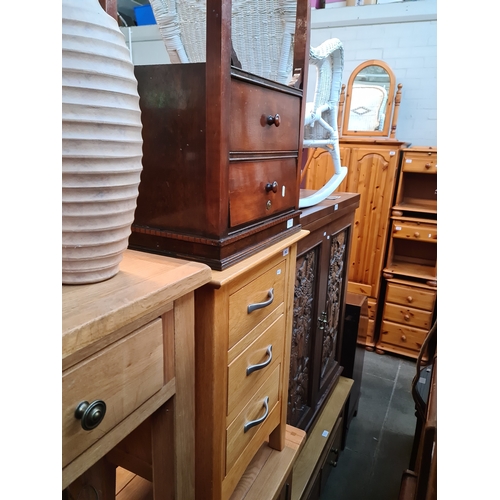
(242, 348)
(407, 316)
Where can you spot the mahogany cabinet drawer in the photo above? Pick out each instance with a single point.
(123, 375)
(420, 162)
(253, 302)
(263, 119)
(253, 365)
(404, 337)
(414, 231)
(408, 316)
(411, 296)
(255, 416)
(259, 189)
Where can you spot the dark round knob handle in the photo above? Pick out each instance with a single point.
(333, 464)
(272, 187)
(91, 415)
(427, 166)
(274, 120)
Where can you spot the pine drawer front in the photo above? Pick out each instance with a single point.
(408, 316)
(252, 303)
(124, 376)
(267, 120)
(410, 296)
(405, 338)
(243, 445)
(417, 232)
(261, 188)
(420, 162)
(259, 359)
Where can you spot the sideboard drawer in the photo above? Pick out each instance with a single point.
(408, 316)
(421, 162)
(124, 376)
(250, 129)
(269, 346)
(259, 189)
(411, 296)
(266, 292)
(237, 439)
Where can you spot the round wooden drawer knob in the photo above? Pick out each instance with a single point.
(427, 166)
(90, 415)
(407, 317)
(409, 298)
(403, 338)
(416, 234)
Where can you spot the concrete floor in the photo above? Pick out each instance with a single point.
(380, 437)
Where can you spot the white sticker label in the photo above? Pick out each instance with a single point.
(336, 207)
(283, 191)
(285, 252)
(289, 223)
(325, 434)
(392, 153)
(324, 234)
(409, 160)
(278, 272)
(398, 228)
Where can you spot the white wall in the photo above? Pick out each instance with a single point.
(404, 36)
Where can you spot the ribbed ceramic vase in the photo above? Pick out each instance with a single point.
(101, 143)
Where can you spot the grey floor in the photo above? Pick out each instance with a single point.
(380, 437)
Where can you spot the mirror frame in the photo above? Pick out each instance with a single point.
(389, 107)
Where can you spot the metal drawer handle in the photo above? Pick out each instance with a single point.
(254, 368)
(91, 415)
(260, 305)
(253, 423)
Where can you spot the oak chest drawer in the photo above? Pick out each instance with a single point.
(261, 188)
(123, 375)
(411, 296)
(421, 162)
(253, 365)
(258, 417)
(264, 119)
(255, 300)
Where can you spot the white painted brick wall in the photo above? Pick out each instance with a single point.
(410, 49)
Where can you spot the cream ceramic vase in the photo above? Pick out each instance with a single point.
(101, 143)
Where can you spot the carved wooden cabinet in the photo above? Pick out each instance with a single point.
(242, 349)
(319, 304)
(222, 149)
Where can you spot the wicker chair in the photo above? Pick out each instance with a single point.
(321, 115)
(182, 26)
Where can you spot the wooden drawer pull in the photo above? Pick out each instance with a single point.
(403, 338)
(416, 234)
(260, 305)
(407, 317)
(427, 166)
(253, 423)
(272, 187)
(409, 298)
(254, 368)
(90, 415)
(274, 120)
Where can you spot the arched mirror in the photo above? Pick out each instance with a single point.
(369, 100)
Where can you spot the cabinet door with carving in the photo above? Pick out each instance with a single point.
(319, 306)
